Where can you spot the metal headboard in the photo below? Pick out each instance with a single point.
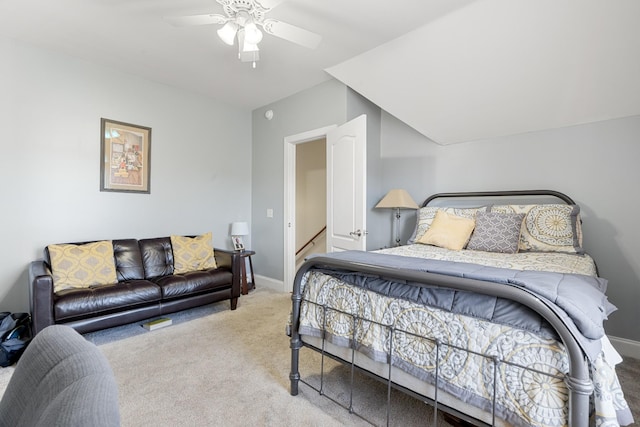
(498, 194)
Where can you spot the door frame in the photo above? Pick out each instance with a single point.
(289, 226)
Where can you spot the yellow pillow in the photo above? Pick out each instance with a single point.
(82, 266)
(448, 231)
(192, 253)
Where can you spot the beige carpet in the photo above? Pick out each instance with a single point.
(215, 366)
(227, 368)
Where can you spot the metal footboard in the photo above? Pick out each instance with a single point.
(577, 380)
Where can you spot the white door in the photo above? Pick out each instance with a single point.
(346, 186)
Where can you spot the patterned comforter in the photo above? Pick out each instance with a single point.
(536, 396)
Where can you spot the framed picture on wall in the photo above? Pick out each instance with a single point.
(125, 157)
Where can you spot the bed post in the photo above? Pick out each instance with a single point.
(296, 342)
(580, 388)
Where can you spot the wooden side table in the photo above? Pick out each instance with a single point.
(245, 286)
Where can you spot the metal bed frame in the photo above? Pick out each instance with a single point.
(578, 379)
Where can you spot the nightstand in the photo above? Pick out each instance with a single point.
(245, 286)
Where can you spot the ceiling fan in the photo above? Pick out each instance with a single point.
(242, 19)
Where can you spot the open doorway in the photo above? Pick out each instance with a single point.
(311, 199)
(293, 238)
(346, 173)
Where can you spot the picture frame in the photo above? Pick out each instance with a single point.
(237, 243)
(125, 157)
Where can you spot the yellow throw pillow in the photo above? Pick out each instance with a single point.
(82, 266)
(448, 231)
(192, 253)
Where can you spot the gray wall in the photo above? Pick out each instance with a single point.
(320, 106)
(50, 111)
(229, 165)
(596, 164)
(330, 103)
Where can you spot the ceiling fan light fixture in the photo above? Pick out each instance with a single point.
(247, 52)
(244, 44)
(249, 47)
(247, 19)
(252, 34)
(252, 56)
(228, 32)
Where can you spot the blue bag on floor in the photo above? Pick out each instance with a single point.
(15, 335)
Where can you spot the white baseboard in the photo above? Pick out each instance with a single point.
(268, 282)
(626, 348)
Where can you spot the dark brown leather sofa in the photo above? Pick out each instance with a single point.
(146, 288)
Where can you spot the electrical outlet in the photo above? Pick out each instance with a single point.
(269, 213)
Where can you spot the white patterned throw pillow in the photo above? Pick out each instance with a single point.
(547, 227)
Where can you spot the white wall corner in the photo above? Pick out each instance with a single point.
(626, 348)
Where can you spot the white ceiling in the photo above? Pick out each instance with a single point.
(503, 67)
(454, 70)
(132, 36)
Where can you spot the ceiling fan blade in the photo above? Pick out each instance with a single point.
(186, 21)
(292, 33)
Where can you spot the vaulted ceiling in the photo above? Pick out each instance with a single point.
(502, 67)
(455, 70)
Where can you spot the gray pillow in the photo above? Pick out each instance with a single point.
(496, 232)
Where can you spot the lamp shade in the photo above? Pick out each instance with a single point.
(252, 34)
(239, 229)
(397, 199)
(228, 33)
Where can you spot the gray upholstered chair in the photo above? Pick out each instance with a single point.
(61, 380)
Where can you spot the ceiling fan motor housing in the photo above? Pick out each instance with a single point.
(243, 10)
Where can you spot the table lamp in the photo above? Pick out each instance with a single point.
(239, 229)
(397, 199)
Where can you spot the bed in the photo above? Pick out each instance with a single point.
(492, 312)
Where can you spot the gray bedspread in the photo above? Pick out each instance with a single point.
(577, 299)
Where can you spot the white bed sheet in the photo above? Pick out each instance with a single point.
(558, 262)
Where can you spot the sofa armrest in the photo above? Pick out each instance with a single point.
(230, 259)
(224, 257)
(40, 296)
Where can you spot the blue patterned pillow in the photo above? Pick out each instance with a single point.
(496, 232)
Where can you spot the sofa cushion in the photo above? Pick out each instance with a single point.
(73, 303)
(157, 257)
(194, 282)
(128, 260)
(82, 265)
(192, 253)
